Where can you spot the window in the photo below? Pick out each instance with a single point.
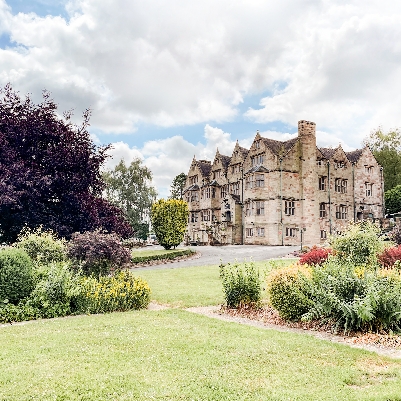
(248, 209)
(223, 191)
(206, 215)
(260, 208)
(216, 174)
(205, 193)
(213, 192)
(257, 144)
(260, 231)
(235, 188)
(257, 160)
(368, 189)
(339, 164)
(235, 168)
(193, 180)
(249, 232)
(323, 234)
(259, 180)
(322, 210)
(194, 217)
(341, 212)
(249, 182)
(369, 169)
(319, 163)
(289, 208)
(341, 185)
(322, 183)
(290, 232)
(194, 195)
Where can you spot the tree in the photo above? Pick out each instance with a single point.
(386, 148)
(129, 189)
(50, 171)
(169, 221)
(392, 199)
(177, 186)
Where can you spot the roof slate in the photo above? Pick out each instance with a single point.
(204, 166)
(279, 148)
(354, 156)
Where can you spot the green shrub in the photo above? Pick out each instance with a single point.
(120, 292)
(359, 244)
(288, 289)
(55, 293)
(164, 256)
(242, 285)
(97, 253)
(43, 247)
(17, 278)
(356, 298)
(10, 313)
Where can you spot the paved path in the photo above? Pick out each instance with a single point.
(211, 255)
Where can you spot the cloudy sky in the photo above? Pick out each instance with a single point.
(167, 80)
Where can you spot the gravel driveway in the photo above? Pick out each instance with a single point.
(211, 255)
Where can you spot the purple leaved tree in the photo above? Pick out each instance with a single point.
(50, 171)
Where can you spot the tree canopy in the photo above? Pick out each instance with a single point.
(130, 189)
(177, 186)
(386, 147)
(50, 171)
(392, 199)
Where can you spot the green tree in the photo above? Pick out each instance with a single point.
(129, 188)
(386, 148)
(392, 199)
(177, 186)
(169, 221)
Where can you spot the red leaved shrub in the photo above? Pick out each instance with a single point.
(391, 255)
(316, 256)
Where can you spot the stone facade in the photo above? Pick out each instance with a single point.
(282, 192)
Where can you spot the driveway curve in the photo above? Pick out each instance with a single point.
(212, 255)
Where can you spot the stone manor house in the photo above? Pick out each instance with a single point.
(282, 192)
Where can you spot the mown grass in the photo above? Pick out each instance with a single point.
(176, 355)
(193, 286)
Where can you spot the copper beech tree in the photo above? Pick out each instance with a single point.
(50, 171)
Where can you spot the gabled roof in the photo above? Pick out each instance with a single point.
(279, 148)
(204, 166)
(225, 161)
(214, 183)
(244, 151)
(193, 187)
(327, 152)
(354, 156)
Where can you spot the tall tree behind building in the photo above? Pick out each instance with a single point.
(129, 188)
(177, 186)
(386, 148)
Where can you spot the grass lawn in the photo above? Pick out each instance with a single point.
(193, 286)
(177, 355)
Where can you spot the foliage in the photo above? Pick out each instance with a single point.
(355, 300)
(54, 294)
(390, 257)
(169, 221)
(359, 244)
(17, 278)
(288, 291)
(137, 257)
(50, 171)
(392, 199)
(120, 292)
(177, 186)
(386, 147)
(395, 235)
(242, 285)
(129, 188)
(43, 247)
(98, 253)
(316, 256)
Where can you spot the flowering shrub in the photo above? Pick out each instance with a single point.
(43, 247)
(316, 256)
(390, 256)
(120, 292)
(98, 253)
(241, 284)
(287, 290)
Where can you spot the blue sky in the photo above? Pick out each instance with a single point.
(167, 80)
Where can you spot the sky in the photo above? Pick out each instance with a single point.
(170, 80)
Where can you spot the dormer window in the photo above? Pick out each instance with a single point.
(257, 160)
(339, 164)
(257, 144)
(216, 174)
